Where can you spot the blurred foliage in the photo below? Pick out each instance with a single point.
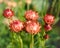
(8, 39)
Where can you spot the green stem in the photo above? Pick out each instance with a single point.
(46, 7)
(42, 8)
(28, 6)
(12, 38)
(19, 39)
(32, 42)
(39, 39)
(21, 42)
(58, 8)
(43, 43)
(53, 4)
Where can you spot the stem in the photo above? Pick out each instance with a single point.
(21, 42)
(42, 8)
(53, 4)
(58, 9)
(43, 44)
(46, 7)
(12, 38)
(28, 6)
(19, 39)
(32, 42)
(39, 39)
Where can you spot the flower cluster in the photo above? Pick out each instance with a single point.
(31, 25)
(48, 19)
(14, 24)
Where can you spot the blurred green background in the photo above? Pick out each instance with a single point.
(19, 7)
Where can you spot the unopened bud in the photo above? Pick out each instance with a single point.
(28, 1)
(14, 4)
(9, 3)
(1, 1)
